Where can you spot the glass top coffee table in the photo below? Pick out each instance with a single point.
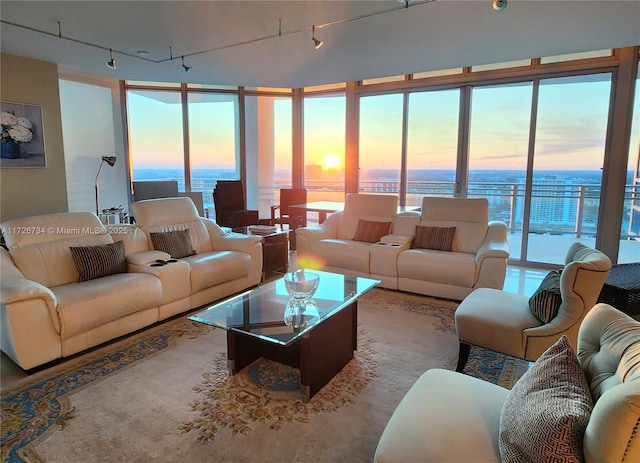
(317, 336)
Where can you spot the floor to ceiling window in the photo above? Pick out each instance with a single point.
(269, 148)
(498, 147)
(432, 144)
(213, 150)
(629, 250)
(380, 142)
(155, 135)
(324, 147)
(569, 150)
(533, 143)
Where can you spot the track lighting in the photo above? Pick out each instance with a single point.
(112, 62)
(186, 68)
(499, 5)
(318, 43)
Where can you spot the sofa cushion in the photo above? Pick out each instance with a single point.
(98, 261)
(345, 254)
(176, 243)
(449, 268)
(371, 231)
(546, 300)
(103, 300)
(217, 267)
(437, 238)
(547, 411)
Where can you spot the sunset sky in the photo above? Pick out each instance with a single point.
(571, 128)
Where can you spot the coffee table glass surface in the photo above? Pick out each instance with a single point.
(266, 313)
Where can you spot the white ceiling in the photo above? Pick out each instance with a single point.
(426, 36)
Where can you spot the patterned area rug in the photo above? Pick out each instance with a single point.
(56, 414)
(269, 392)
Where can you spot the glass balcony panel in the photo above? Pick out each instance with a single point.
(567, 171)
(498, 146)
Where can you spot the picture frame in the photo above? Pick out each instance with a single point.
(22, 135)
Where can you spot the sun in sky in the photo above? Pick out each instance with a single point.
(331, 161)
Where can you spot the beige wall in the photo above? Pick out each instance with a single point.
(33, 191)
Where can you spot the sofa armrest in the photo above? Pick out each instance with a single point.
(147, 257)
(495, 243)
(17, 289)
(235, 242)
(397, 239)
(326, 230)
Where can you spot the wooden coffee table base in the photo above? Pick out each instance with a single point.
(320, 354)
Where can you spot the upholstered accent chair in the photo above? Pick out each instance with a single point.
(451, 417)
(504, 322)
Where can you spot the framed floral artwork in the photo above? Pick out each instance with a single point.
(22, 135)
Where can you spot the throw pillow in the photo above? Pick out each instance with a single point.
(437, 238)
(176, 243)
(98, 261)
(371, 232)
(545, 302)
(547, 411)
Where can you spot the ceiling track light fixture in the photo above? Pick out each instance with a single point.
(111, 64)
(186, 68)
(318, 43)
(499, 5)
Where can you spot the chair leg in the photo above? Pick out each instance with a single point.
(463, 356)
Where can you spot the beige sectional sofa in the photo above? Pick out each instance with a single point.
(477, 257)
(46, 313)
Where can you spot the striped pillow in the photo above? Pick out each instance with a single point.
(98, 261)
(437, 238)
(371, 232)
(545, 302)
(176, 243)
(547, 411)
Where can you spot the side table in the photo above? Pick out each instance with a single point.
(622, 288)
(275, 249)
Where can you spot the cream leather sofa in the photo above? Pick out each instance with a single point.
(330, 246)
(478, 257)
(46, 314)
(451, 417)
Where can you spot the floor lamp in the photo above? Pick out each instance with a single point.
(111, 160)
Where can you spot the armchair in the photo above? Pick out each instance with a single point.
(503, 322)
(427, 423)
(230, 205)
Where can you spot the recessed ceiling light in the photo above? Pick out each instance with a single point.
(143, 53)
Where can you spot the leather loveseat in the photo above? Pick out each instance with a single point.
(476, 257)
(45, 311)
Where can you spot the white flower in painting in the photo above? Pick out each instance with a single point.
(8, 118)
(24, 122)
(20, 134)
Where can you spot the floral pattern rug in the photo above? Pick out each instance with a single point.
(269, 392)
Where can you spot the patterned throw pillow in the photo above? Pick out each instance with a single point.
(437, 238)
(547, 411)
(371, 232)
(176, 243)
(545, 302)
(98, 261)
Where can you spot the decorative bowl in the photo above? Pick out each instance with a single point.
(301, 284)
